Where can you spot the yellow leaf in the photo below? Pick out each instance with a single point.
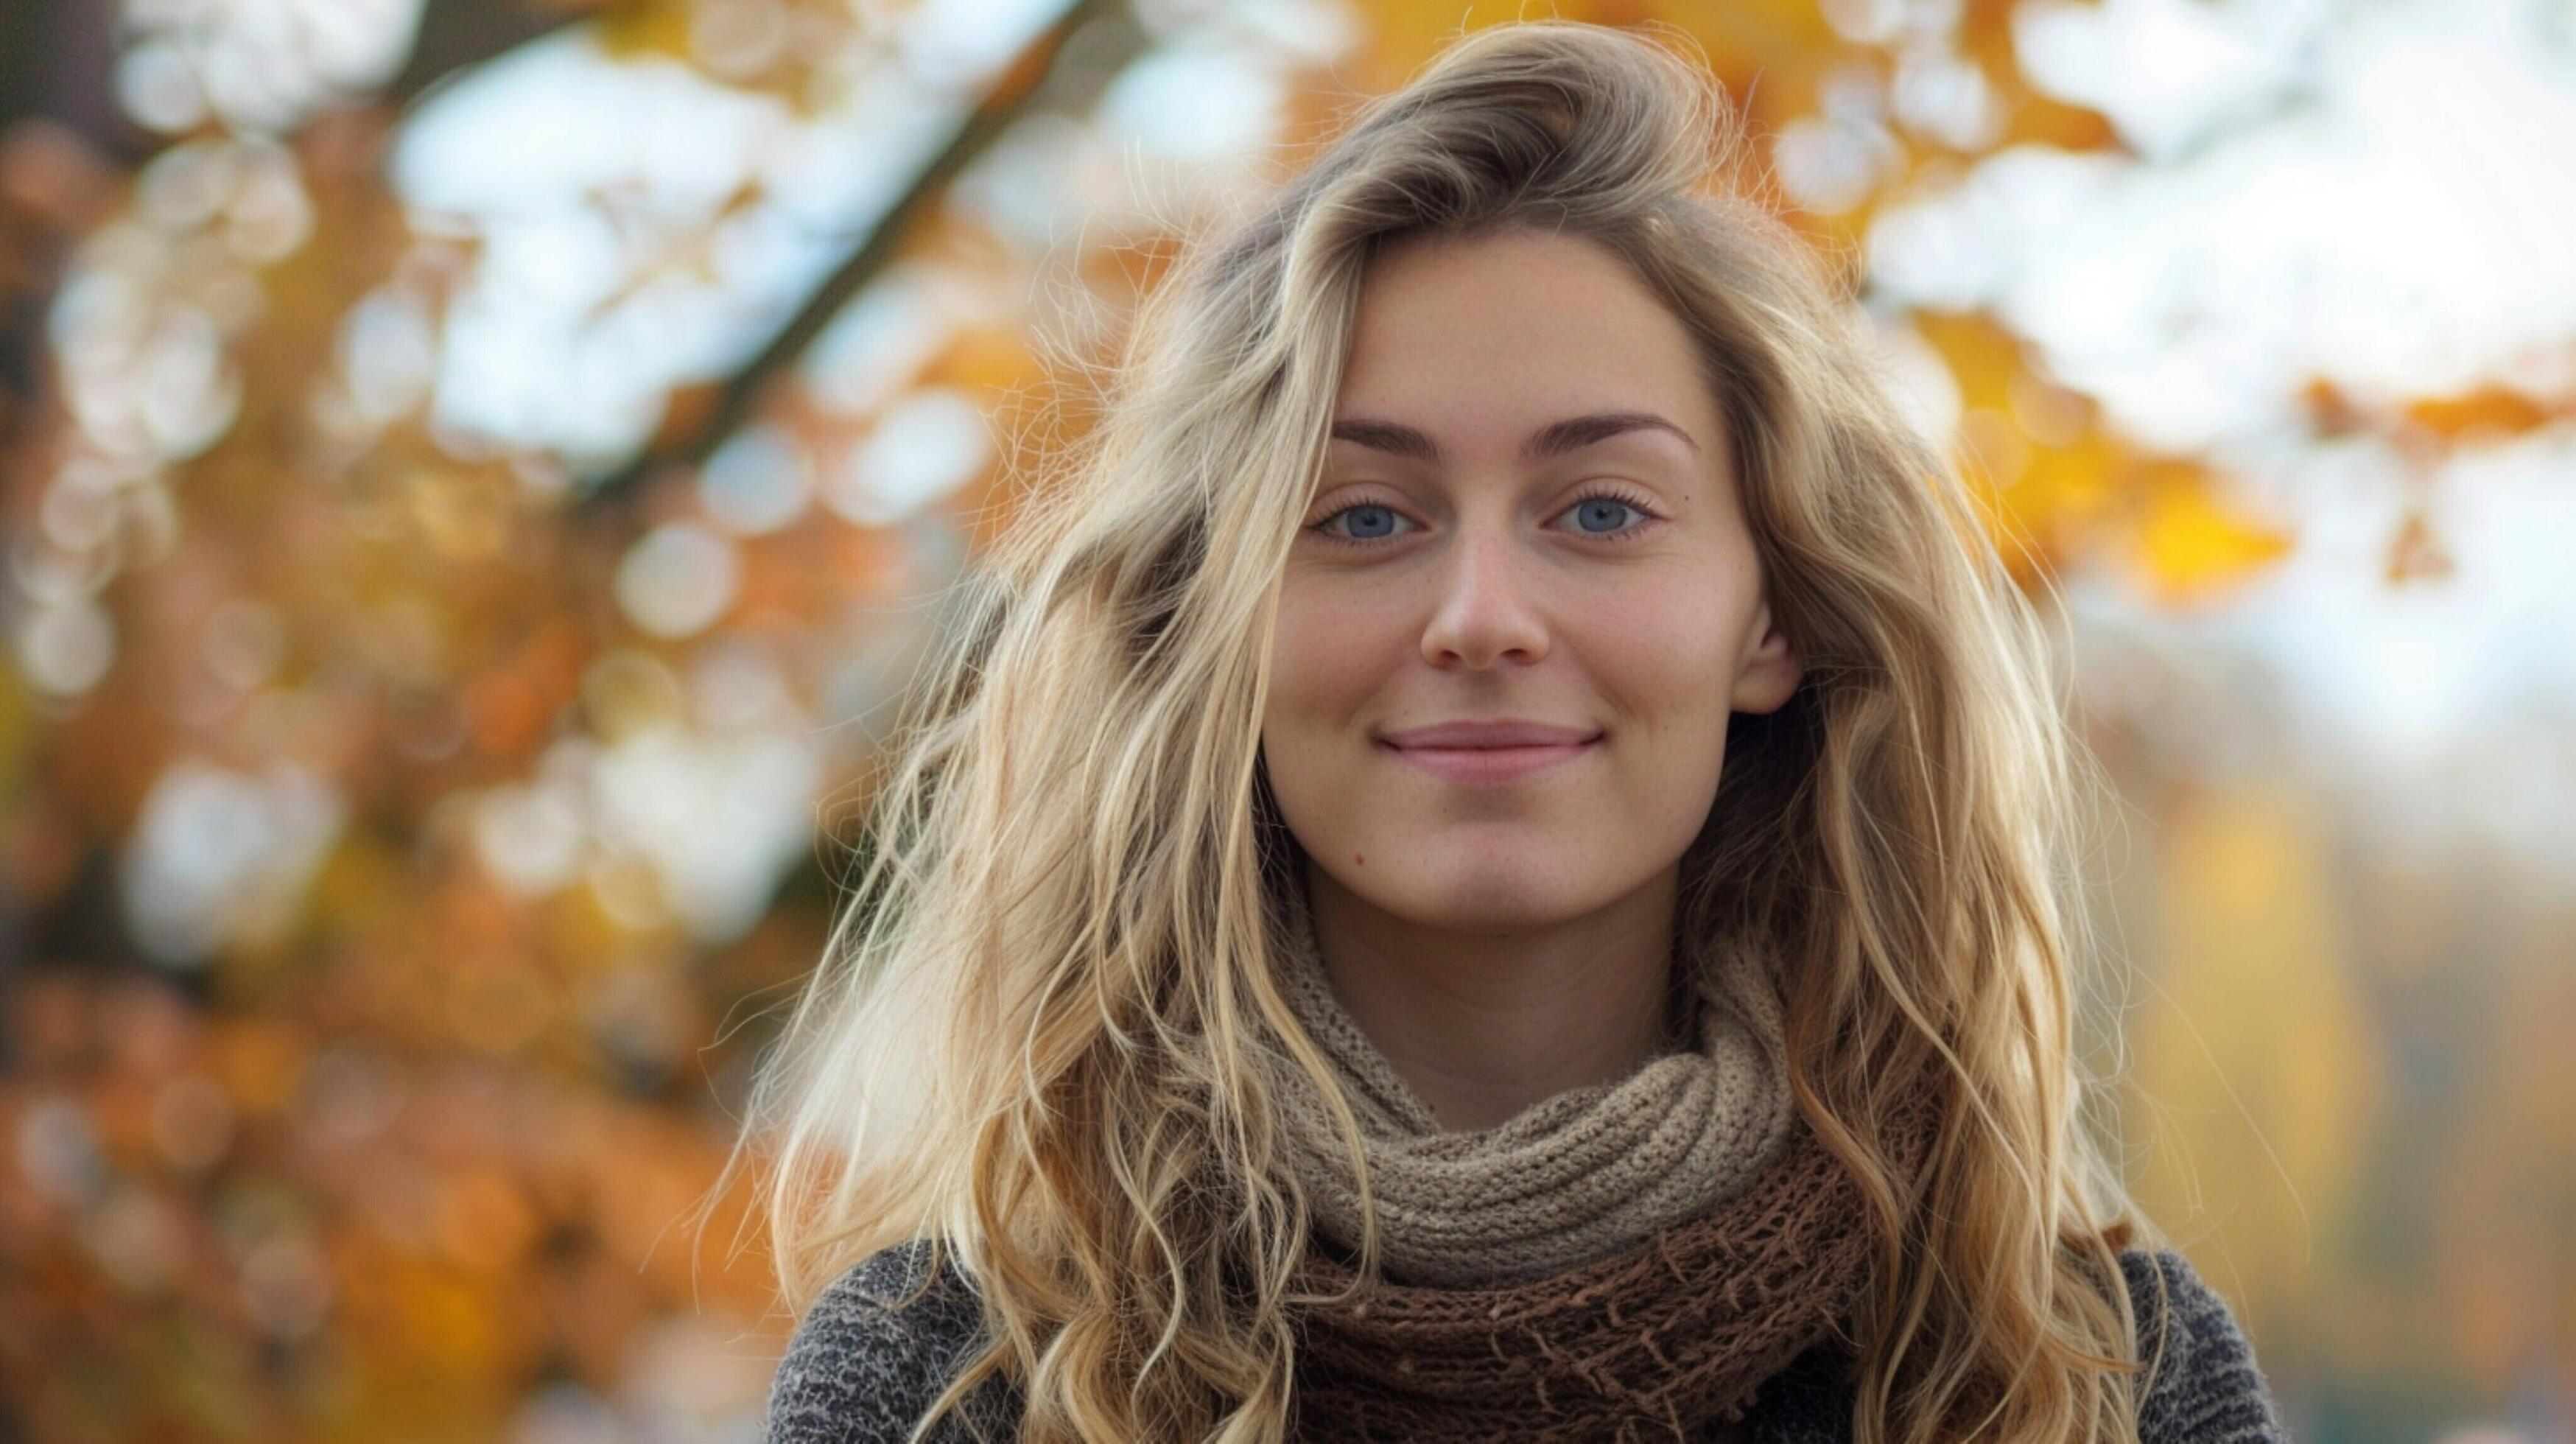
(2190, 543)
(655, 27)
(2494, 411)
(2058, 502)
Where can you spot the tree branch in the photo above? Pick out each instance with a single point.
(1036, 82)
(457, 35)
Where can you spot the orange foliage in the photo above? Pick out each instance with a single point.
(460, 1097)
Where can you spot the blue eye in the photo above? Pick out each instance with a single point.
(1590, 499)
(1380, 515)
(1600, 504)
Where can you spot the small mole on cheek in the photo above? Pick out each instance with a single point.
(1358, 861)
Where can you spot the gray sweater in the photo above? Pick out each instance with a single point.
(859, 1372)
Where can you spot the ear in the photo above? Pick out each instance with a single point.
(1768, 676)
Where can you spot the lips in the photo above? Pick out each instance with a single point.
(1500, 733)
(1486, 763)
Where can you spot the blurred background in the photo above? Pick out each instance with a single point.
(471, 472)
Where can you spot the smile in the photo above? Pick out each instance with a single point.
(1488, 765)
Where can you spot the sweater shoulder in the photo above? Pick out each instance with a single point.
(870, 1356)
(2208, 1389)
(878, 1345)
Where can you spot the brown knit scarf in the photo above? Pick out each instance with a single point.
(1660, 1340)
(1583, 1174)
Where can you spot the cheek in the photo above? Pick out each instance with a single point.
(1296, 726)
(1663, 660)
(1326, 659)
(1665, 676)
(1328, 664)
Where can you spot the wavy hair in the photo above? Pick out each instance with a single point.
(1038, 1034)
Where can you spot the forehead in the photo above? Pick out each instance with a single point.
(1477, 341)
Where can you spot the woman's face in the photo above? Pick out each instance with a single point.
(1469, 556)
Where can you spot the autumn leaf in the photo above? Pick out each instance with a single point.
(2188, 543)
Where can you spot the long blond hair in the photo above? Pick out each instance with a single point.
(1036, 1036)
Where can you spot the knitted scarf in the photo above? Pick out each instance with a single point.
(1579, 1176)
(1620, 1261)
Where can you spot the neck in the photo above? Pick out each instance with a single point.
(1483, 1025)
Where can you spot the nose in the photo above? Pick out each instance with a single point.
(1481, 611)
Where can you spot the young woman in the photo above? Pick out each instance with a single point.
(1493, 860)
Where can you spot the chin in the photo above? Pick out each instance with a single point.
(1491, 900)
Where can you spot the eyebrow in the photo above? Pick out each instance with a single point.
(1554, 439)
